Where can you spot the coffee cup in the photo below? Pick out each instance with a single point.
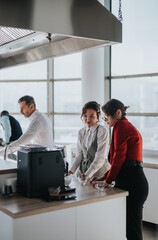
(7, 191)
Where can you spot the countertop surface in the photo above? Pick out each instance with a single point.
(8, 166)
(150, 162)
(19, 206)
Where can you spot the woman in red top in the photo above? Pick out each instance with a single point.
(125, 157)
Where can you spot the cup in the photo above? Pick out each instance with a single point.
(67, 180)
(7, 191)
(100, 186)
(11, 182)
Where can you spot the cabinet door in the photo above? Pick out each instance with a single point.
(150, 212)
(56, 225)
(102, 220)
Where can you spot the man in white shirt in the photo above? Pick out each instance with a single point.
(39, 130)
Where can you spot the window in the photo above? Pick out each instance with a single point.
(11, 92)
(36, 70)
(66, 128)
(141, 94)
(63, 103)
(67, 98)
(138, 52)
(134, 70)
(15, 82)
(148, 129)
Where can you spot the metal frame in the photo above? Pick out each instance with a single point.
(151, 114)
(50, 90)
(135, 75)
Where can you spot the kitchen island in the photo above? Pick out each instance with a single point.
(150, 211)
(92, 215)
(8, 169)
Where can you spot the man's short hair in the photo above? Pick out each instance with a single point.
(5, 112)
(28, 99)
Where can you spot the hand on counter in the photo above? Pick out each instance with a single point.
(84, 179)
(100, 183)
(97, 179)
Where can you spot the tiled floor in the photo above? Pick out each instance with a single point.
(150, 231)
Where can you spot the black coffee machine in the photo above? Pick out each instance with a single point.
(39, 168)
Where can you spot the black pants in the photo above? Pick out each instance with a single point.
(132, 179)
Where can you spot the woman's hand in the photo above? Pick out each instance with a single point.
(97, 179)
(69, 173)
(83, 177)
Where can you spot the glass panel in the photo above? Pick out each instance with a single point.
(139, 50)
(148, 128)
(11, 92)
(24, 122)
(66, 128)
(68, 66)
(67, 96)
(140, 94)
(37, 70)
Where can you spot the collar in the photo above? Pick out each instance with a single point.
(93, 128)
(33, 115)
(123, 119)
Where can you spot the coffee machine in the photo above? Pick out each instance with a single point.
(39, 168)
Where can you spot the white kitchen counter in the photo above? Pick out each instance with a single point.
(8, 169)
(92, 215)
(9, 166)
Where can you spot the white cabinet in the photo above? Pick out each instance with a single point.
(105, 220)
(100, 220)
(150, 212)
(56, 225)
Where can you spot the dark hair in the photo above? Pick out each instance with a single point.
(5, 112)
(111, 107)
(28, 99)
(91, 105)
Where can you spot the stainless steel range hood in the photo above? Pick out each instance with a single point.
(33, 30)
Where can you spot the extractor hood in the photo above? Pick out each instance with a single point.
(32, 30)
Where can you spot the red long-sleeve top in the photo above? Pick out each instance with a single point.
(126, 144)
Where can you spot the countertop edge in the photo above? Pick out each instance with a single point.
(150, 165)
(62, 206)
(6, 171)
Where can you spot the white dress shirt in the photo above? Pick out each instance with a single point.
(101, 153)
(5, 122)
(39, 132)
